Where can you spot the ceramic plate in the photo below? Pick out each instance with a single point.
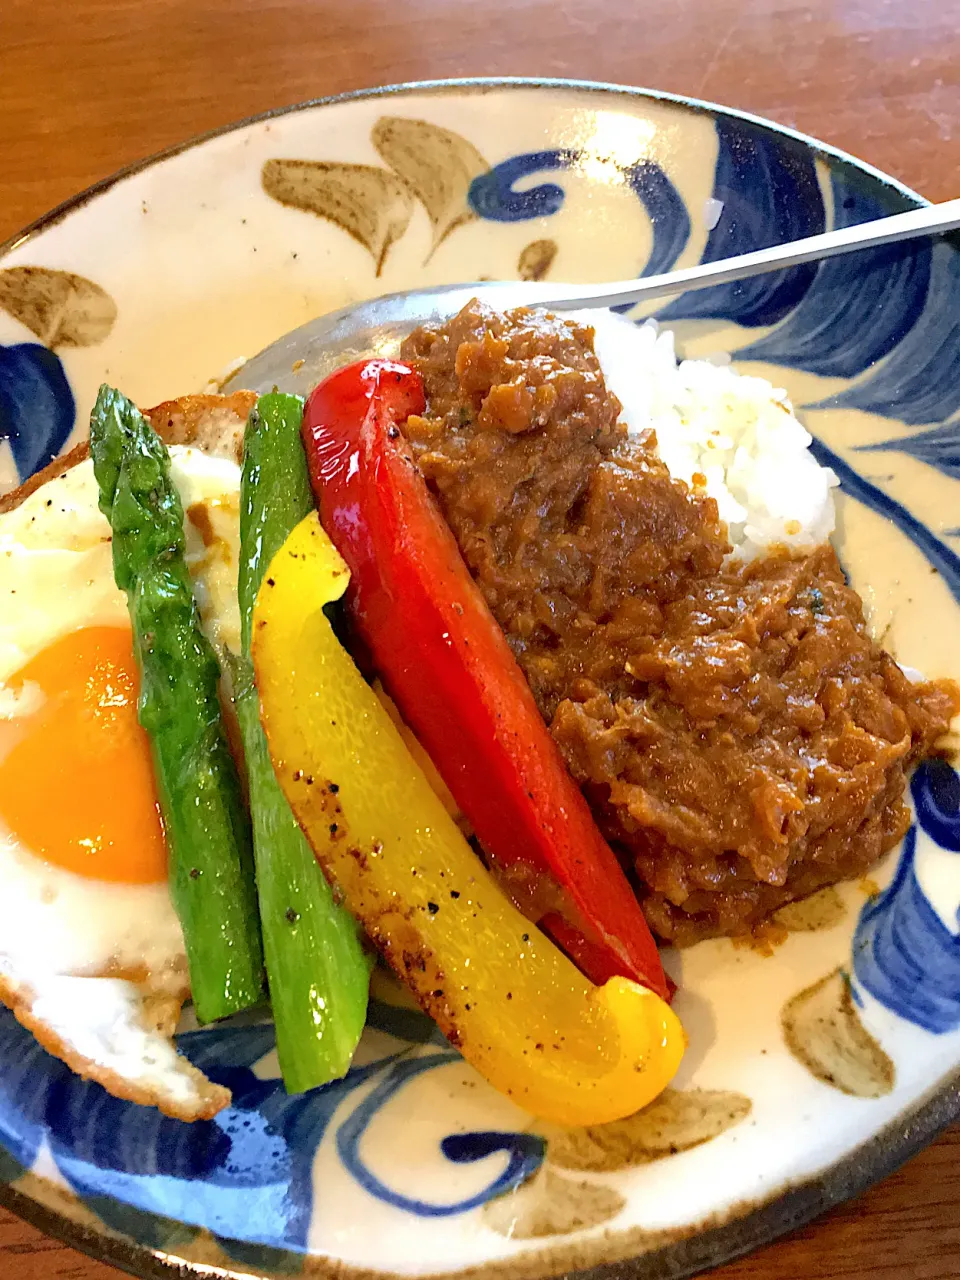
(811, 1071)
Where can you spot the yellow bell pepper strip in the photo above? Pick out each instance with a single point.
(514, 1005)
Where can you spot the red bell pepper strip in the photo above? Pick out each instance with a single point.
(447, 665)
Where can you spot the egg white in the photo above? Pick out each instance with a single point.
(56, 565)
(64, 937)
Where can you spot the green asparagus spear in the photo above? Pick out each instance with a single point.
(211, 868)
(318, 974)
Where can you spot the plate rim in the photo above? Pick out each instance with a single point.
(792, 1205)
(465, 83)
(787, 1209)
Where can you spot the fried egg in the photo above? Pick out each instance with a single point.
(91, 951)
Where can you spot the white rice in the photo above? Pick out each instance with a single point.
(737, 432)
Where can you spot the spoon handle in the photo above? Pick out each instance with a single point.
(300, 359)
(932, 219)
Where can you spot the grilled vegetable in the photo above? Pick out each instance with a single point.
(208, 836)
(446, 664)
(318, 973)
(513, 1004)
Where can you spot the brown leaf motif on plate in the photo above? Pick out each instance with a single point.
(536, 259)
(553, 1203)
(370, 204)
(437, 164)
(676, 1121)
(550, 1204)
(824, 1033)
(821, 910)
(432, 165)
(62, 309)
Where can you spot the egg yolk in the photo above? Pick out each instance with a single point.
(76, 785)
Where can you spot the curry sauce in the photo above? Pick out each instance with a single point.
(741, 738)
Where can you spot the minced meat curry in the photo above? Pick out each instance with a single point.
(741, 738)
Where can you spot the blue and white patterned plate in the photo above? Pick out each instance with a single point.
(811, 1071)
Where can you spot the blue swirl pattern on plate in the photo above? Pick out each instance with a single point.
(919, 383)
(940, 557)
(939, 447)
(903, 953)
(525, 1150)
(494, 197)
(247, 1174)
(37, 408)
(770, 194)
(858, 308)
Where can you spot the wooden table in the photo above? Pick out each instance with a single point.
(89, 85)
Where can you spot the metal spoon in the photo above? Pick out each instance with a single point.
(300, 359)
